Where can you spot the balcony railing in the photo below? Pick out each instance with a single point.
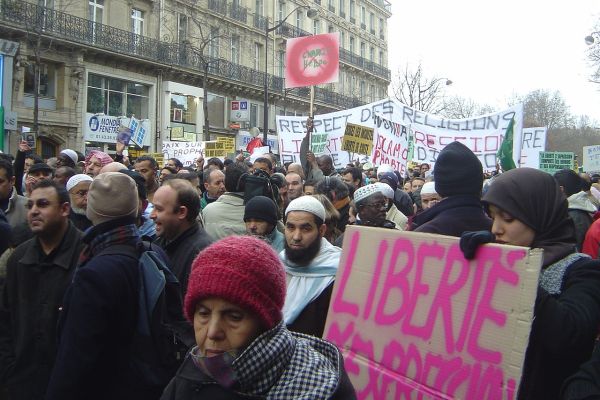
(26, 17)
(385, 4)
(291, 31)
(260, 22)
(218, 6)
(238, 13)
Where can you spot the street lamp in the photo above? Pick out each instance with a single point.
(590, 39)
(310, 13)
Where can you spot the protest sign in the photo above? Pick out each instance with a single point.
(391, 144)
(312, 60)
(414, 319)
(591, 158)
(186, 152)
(105, 129)
(534, 141)
(228, 143)
(483, 134)
(358, 139)
(244, 137)
(215, 149)
(552, 161)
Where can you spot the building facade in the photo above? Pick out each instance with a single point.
(83, 67)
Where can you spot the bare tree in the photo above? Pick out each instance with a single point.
(457, 107)
(418, 91)
(543, 108)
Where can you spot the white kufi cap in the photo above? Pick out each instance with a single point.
(308, 204)
(76, 179)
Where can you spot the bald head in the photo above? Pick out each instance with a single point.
(325, 163)
(296, 169)
(113, 167)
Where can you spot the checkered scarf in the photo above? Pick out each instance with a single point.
(98, 241)
(282, 365)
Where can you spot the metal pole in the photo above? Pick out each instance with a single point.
(266, 87)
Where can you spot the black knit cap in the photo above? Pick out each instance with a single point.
(262, 208)
(458, 171)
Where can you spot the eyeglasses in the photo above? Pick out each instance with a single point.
(81, 193)
(379, 205)
(41, 203)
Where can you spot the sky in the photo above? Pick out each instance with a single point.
(492, 50)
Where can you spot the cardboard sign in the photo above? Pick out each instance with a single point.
(552, 161)
(591, 158)
(312, 60)
(358, 139)
(228, 143)
(186, 152)
(414, 319)
(215, 149)
(392, 142)
(534, 141)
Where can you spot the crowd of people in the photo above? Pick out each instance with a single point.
(255, 248)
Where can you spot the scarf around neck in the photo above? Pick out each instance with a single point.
(306, 283)
(101, 236)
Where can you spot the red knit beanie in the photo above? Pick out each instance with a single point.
(242, 270)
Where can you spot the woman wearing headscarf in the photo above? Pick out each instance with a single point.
(528, 209)
(235, 298)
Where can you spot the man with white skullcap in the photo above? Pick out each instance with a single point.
(372, 206)
(393, 214)
(67, 158)
(311, 264)
(429, 197)
(78, 186)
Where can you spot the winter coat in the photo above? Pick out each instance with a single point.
(183, 250)
(80, 221)
(591, 244)
(581, 210)
(16, 213)
(225, 216)
(29, 312)
(585, 384)
(278, 364)
(452, 216)
(97, 324)
(567, 316)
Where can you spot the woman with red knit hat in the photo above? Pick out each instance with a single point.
(235, 298)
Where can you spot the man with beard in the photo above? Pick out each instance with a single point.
(78, 186)
(311, 263)
(260, 216)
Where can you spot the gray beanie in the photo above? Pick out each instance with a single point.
(112, 195)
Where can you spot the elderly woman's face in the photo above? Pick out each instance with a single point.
(509, 230)
(221, 326)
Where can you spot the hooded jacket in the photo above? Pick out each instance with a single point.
(581, 210)
(278, 364)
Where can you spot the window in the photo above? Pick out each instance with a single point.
(372, 93)
(362, 89)
(259, 7)
(281, 11)
(216, 110)
(381, 57)
(137, 21)
(46, 79)
(342, 39)
(330, 29)
(95, 10)
(281, 70)
(235, 49)
(316, 27)
(372, 22)
(299, 19)
(342, 6)
(372, 54)
(213, 45)
(352, 44)
(341, 81)
(352, 7)
(117, 97)
(183, 109)
(362, 49)
(182, 28)
(257, 52)
(253, 115)
(363, 15)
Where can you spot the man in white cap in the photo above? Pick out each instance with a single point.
(311, 263)
(372, 206)
(393, 214)
(429, 197)
(78, 186)
(67, 158)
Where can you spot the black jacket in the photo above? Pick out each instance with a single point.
(29, 309)
(80, 220)
(183, 250)
(452, 216)
(96, 328)
(564, 330)
(311, 321)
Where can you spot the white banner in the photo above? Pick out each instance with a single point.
(534, 141)
(186, 152)
(482, 134)
(244, 137)
(591, 158)
(390, 144)
(104, 128)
